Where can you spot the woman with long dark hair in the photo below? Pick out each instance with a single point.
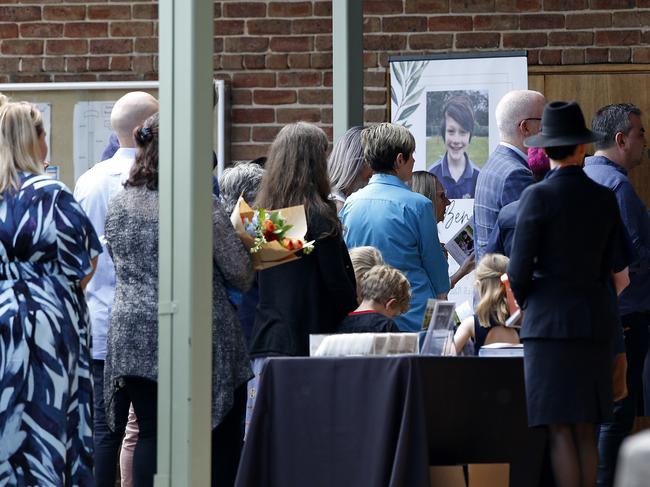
(132, 358)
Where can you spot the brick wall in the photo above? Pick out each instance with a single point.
(278, 53)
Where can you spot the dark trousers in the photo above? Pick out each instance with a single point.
(226, 437)
(612, 434)
(106, 442)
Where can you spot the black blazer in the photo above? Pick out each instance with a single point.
(309, 295)
(566, 241)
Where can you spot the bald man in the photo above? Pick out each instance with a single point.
(94, 190)
(506, 173)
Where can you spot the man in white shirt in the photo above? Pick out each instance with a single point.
(94, 190)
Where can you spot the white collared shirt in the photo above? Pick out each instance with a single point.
(94, 190)
(516, 149)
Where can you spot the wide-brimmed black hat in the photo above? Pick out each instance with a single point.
(562, 124)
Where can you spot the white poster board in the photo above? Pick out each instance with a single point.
(92, 129)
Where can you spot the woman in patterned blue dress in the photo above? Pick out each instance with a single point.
(47, 251)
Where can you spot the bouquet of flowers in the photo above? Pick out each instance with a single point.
(272, 236)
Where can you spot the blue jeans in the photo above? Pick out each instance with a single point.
(612, 434)
(107, 443)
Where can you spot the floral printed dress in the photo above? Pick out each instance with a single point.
(46, 246)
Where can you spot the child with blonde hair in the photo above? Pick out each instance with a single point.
(363, 259)
(384, 292)
(487, 325)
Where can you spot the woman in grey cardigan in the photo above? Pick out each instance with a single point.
(131, 232)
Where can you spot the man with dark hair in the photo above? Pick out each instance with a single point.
(620, 151)
(400, 223)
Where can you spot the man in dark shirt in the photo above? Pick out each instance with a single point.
(620, 151)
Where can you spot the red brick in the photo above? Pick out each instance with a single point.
(426, 6)
(455, 23)
(9, 64)
(370, 60)
(645, 37)
(274, 97)
(299, 78)
(31, 65)
(541, 21)
(327, 79)
(384, 42)
(532, 57)
(382, 7)
(246, 44)
(291, 44)
(41, 30)
(571, 38)
(51, 64)
(109, 12)
(631, 19)
(322, 9)
(551, 5)
(253, 115)
(232, 61)
(277, 61)
(524, 40)
(111, 46)
(67, 46)
(472, 6)
(550, 56)
(371, 24)
(248, 152)
(254, 61)
(477, 40)
(253, 80)
(321, 60)
(20, 14)
(265, 134)
(29, 78)
(143, 64)
(495, 22)
(121, 63)
(268, 26)
(217, 44)
(146, 44)
(312, 26)
(131, 29)
(620, 55)
(144, 11)
(118, 77)
(588, 20)
(573, 56)
(8, 31)
(98, 63)
(375, 97)
(241, 97)
(518, 6)
(323, 43)
(86, 29)
(315, 97)
(240, 134)
(76, 64)
(375, 115)
(21, 46)
(617, 37)
(641, 55)
(290, 115)
(609, 4)
(217, 10)
(404, 24)
(228, 27)
(431, 41)
(244, 9)
(374, 78)
(596, 55)
(293, 9)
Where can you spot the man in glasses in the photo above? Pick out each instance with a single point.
(506, 173)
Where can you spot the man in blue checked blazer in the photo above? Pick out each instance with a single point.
(506, 173)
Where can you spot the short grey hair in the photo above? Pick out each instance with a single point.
(612, 119)
(383, 142)
(244, 179)
(346, 162)
(514, 107)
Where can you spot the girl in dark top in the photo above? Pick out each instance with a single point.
(314, 293)
(384, 292)
(488, 324)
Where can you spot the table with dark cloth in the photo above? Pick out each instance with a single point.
(381, 421)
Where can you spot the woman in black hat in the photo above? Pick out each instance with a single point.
(567, 247)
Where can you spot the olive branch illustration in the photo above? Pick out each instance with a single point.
(407, 76)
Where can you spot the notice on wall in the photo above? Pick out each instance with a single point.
(92, 129)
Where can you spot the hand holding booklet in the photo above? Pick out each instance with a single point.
(461, 244)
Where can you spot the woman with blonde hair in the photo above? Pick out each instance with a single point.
(487, 325)
(48, 251)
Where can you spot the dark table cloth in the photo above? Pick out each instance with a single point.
(381, 421)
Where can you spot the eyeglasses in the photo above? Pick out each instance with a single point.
(531, 118)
